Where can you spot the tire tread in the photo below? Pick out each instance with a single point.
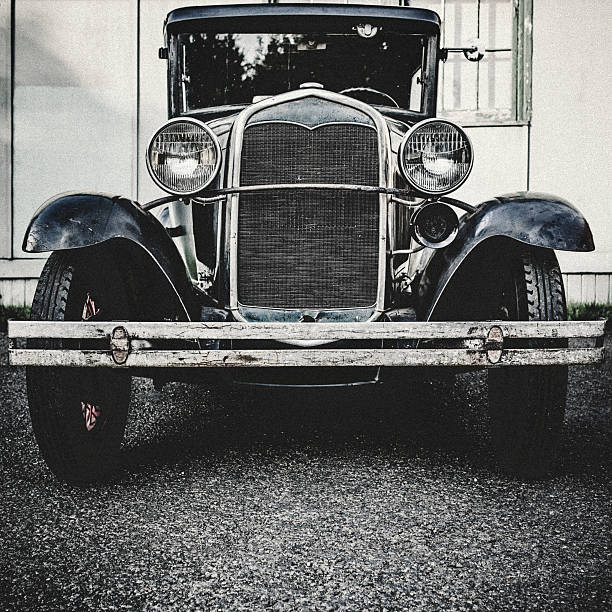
(527, 404)
(46, 386)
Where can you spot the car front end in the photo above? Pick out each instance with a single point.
(309, 236)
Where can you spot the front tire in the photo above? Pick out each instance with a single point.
(79, 414)
(527, 404)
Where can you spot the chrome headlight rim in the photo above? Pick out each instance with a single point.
(216, 144)
(400, 157)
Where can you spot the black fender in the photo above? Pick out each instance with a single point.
(536, 219)
(79, 220)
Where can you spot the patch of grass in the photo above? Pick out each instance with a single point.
(21, 313)
(578, 311)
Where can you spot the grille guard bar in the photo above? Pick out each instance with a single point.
(482, 344)
(220, 195)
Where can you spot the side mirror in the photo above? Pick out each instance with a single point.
(473, 52)
(476, 51)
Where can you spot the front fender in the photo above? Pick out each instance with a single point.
(77, 220)
(531, 218)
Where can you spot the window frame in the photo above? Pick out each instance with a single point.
(182, 106)
(429, 91)
(6, 128)
(520, 110)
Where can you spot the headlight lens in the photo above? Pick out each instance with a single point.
(184, 156)
(435, 156)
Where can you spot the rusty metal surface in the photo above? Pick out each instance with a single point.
(482, 346)
(119, 345)
(292, 331)
(305, 358)
(494, 344)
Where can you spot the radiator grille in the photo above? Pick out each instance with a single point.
(308, 249)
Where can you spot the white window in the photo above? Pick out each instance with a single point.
(496, 89)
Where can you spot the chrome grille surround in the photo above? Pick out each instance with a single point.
(359, 313)
(308, 249)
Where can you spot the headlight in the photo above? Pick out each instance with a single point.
(183, 156)
(435, 156)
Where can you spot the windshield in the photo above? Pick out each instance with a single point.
(240, 68)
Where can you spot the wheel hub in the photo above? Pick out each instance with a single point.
(89, 308)
(91, 413)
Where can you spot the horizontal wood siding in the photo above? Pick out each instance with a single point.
(578, 288)
(588, 287)
(17, 291)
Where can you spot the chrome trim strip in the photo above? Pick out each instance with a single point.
(374, 381)
(385, 179)
(458, 204)
(219, 194)
(278, 316)
(314, 127)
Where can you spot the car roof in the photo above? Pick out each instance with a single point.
(263, 17)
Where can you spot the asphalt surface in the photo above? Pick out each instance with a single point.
(315, 501)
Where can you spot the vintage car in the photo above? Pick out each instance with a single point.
(308, 238)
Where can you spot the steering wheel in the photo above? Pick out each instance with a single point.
(371, 91)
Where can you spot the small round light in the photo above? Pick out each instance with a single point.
(435, 225)
(435, 157)
(183, 156)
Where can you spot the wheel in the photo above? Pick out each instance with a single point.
(79, 414)
(527, 404)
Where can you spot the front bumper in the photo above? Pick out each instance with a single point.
(474, 344)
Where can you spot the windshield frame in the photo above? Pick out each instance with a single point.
(236, 68)
(272, 21)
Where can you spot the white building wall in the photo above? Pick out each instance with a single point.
(74, 102)
(86, 100)
(571, 126)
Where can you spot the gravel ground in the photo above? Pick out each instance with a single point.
(309, 501)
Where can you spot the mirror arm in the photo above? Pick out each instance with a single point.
(443, 55)
(474, 52)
